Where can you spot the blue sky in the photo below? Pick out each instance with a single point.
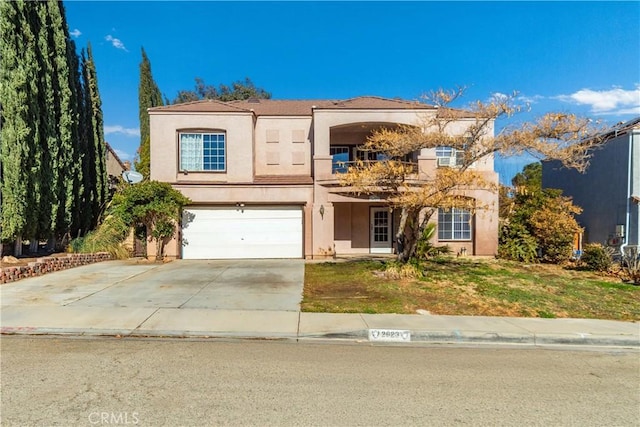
(580, 57)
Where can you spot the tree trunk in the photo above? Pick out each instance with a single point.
(17, 249)
(409, 231)
(407, 235)
(51, 244)
(159, 248)
(33, 246)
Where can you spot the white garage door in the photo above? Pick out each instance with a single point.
(242, 232)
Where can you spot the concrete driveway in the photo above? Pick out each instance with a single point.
(216, 285)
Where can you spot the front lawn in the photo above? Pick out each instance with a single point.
(470, 287)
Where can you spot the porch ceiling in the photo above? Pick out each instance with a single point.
(358, 131)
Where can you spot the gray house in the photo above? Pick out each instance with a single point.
(609, 191)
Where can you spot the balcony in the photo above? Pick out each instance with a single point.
(338, 167)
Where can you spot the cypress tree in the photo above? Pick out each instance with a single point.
(48, 119)
(19, 133)
(66, 110)
(77, 205)
(148, 96)
(52, 149)
(96, 148)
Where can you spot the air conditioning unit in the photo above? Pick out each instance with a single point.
(446, 162)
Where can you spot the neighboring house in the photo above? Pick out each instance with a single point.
(115, 166)
(262, 175)
(609, 190)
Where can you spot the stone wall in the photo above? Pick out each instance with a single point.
(48, 264)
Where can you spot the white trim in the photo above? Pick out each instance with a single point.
(382, 247)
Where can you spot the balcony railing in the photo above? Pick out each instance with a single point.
(342, 167)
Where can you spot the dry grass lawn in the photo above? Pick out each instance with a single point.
(470, 287)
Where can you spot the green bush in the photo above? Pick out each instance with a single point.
(596, 257)
(516, 244)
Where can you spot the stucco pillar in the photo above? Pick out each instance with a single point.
(426, 167)
(486, 225)
(323, 218)
(308, 230)
(322, 167)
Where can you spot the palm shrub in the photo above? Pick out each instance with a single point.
(426, 249)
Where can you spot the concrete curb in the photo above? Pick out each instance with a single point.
(470, 337)
(358, 336)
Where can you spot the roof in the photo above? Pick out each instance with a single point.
(623, 127)
(615, 131)
(115, 156)
(293, 107)
(204, 106)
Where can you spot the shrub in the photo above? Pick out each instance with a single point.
(516, 244)
(426, 249)
(540, 225)
(596, 257)
(410, 270)
(631, 265)
(108, 237)
(555, 227)
(155, 204)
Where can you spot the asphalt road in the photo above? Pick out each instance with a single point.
(110, 381)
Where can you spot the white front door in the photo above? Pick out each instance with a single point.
(380, 231)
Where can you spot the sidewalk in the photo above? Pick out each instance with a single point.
(292, 325)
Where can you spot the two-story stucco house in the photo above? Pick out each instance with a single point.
(262, 175)
(609, 190)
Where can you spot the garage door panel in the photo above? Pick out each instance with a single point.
(249, 232)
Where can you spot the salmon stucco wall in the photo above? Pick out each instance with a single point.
(165, 129)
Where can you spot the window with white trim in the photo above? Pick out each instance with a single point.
(454, 224)
(203, 151)
(449, 157)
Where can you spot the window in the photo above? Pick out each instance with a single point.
(370, 155)
(449, 157)
(203, 151)
(454, 224)
(339, 163)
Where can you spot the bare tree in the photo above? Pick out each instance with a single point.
(470, 132)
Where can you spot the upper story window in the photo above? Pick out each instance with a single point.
(340, 161)
(203, 151)
(454, 224)
(449, 157)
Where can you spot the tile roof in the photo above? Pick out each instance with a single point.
(204, 106)
(292, 107)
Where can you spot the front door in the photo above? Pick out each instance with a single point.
(380, 231)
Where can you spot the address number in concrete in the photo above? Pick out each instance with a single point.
(389, 335)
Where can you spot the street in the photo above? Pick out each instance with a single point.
(111, 381)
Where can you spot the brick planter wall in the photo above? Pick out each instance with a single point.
(48, 264)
